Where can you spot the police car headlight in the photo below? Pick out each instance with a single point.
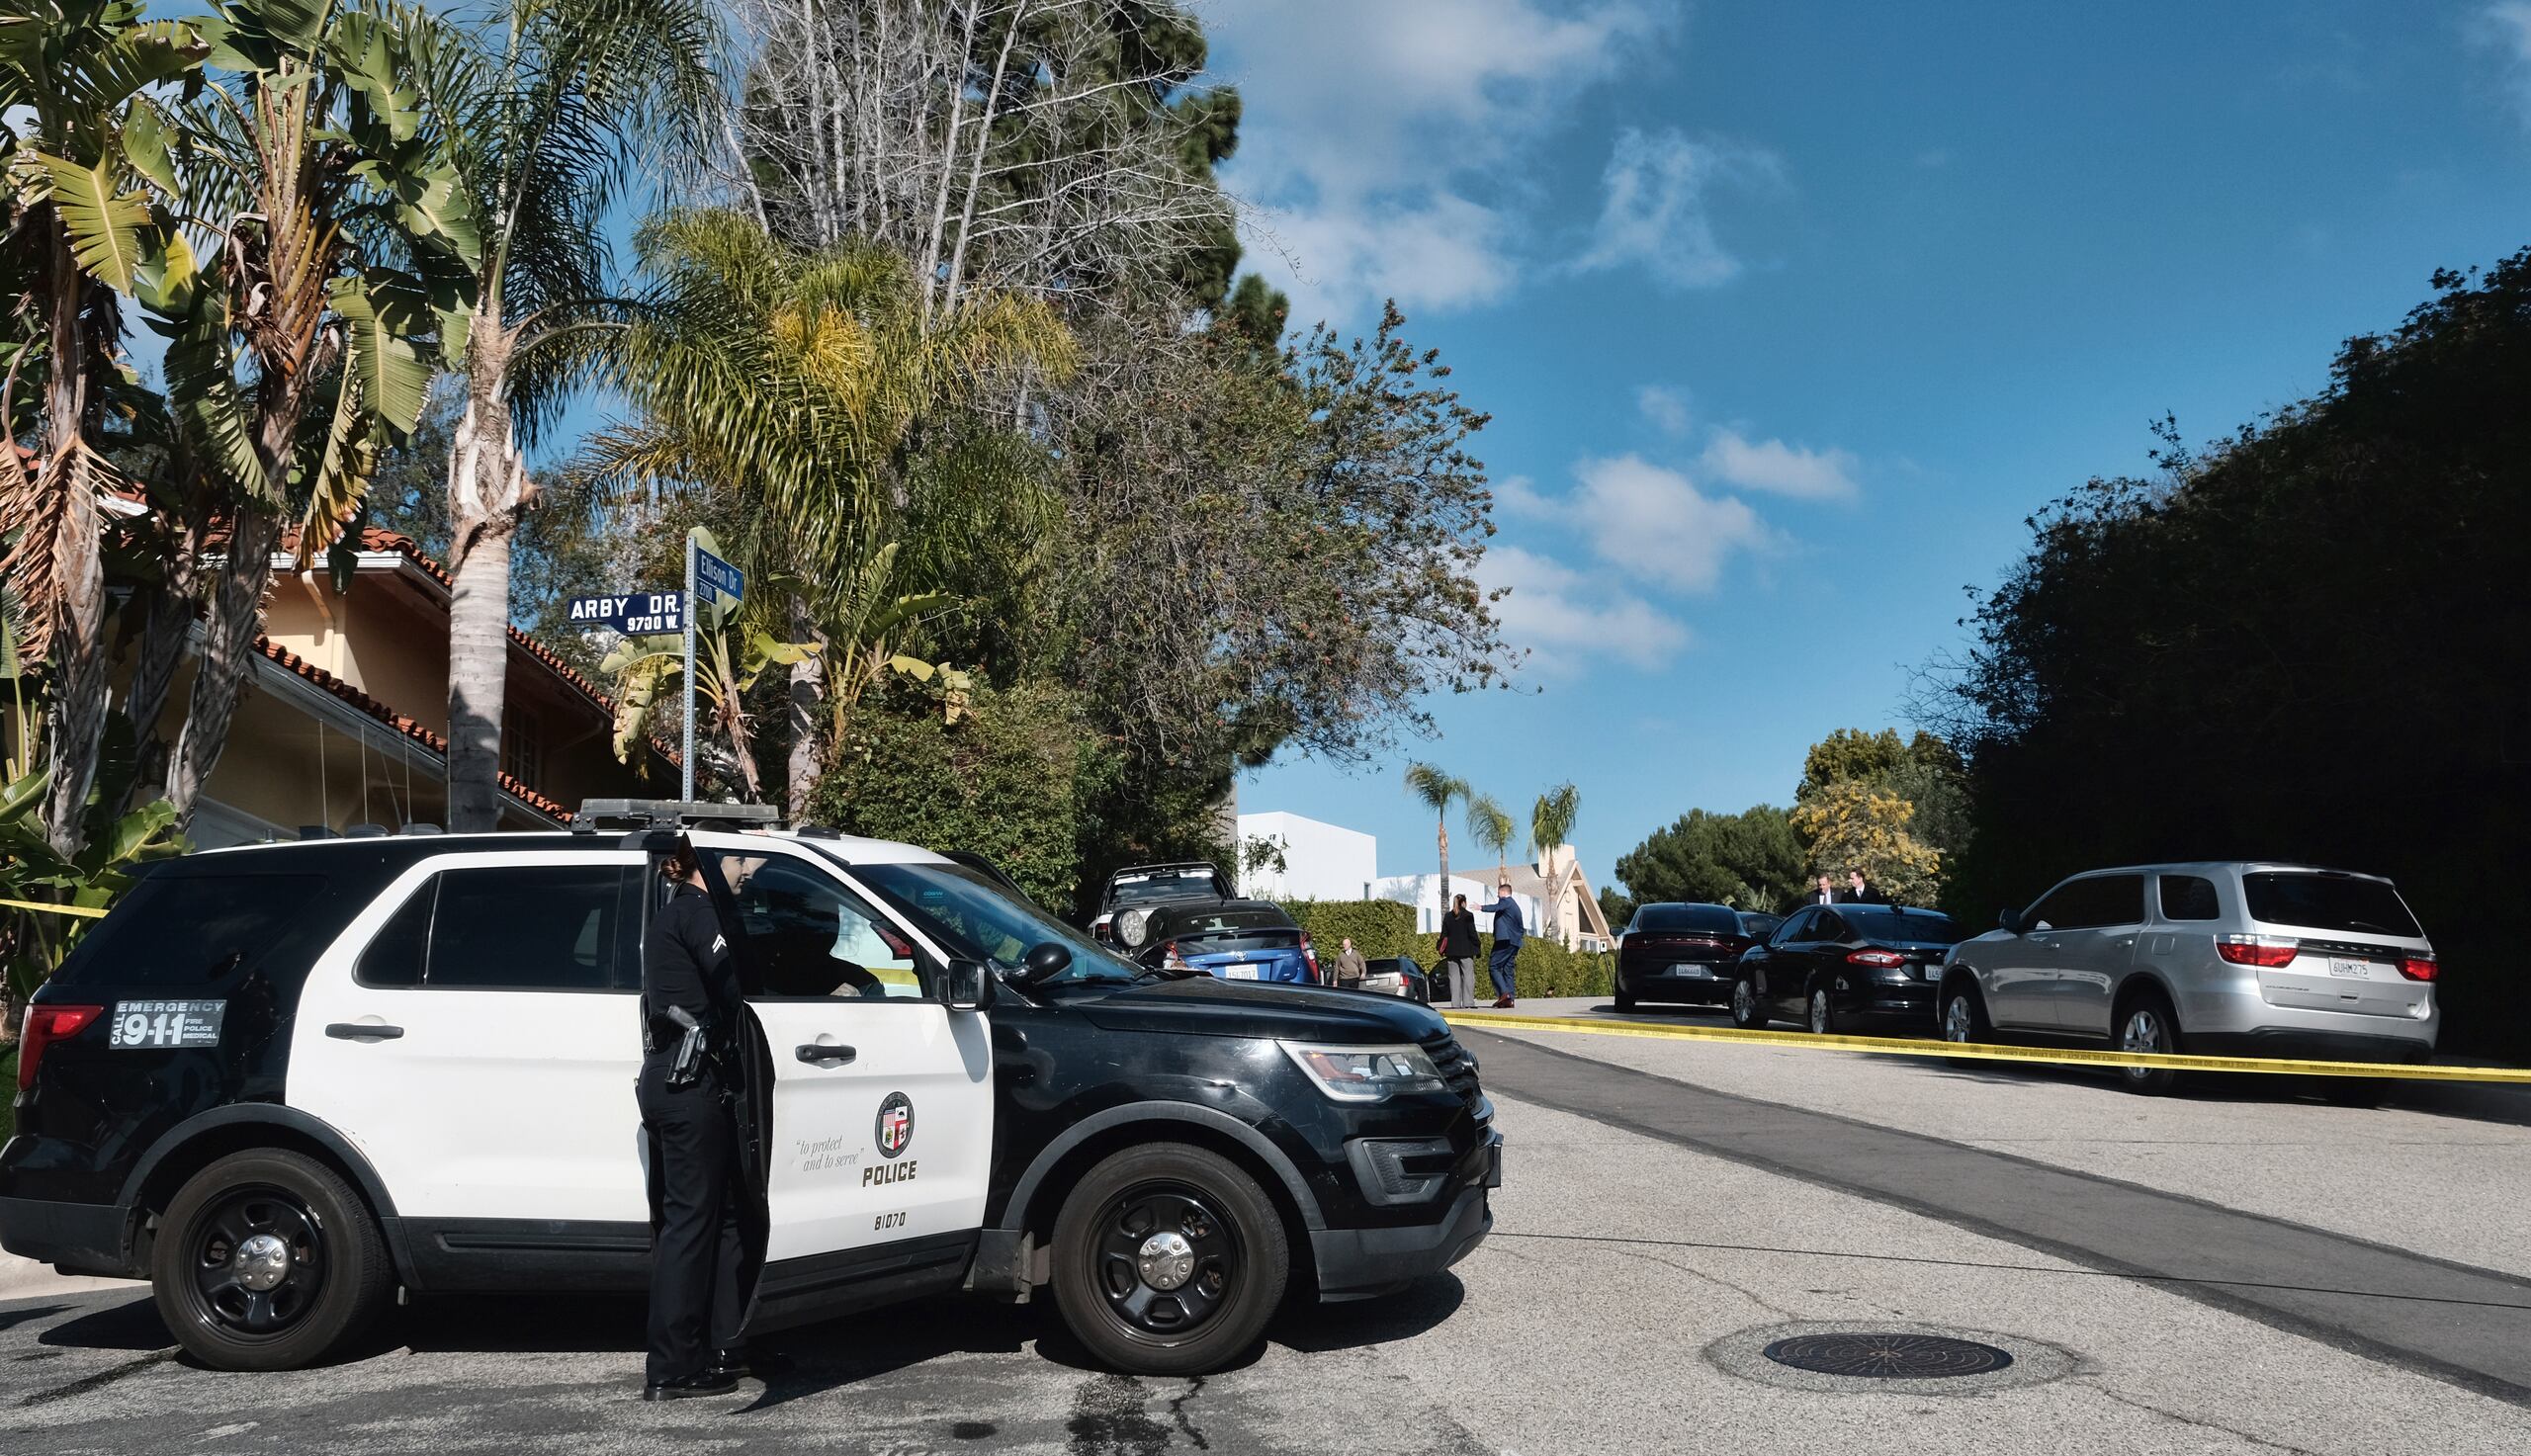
(1365, 1073)
(1129, 927)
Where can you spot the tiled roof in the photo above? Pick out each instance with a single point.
(372, 538)
(400, 723)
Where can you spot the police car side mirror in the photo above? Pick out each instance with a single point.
(969, 986)
(1050, 959)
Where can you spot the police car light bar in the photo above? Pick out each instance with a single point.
(670, 813)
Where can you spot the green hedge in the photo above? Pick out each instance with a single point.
(1385, 927)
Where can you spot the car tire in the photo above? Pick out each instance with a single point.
(1823, 1011)
(2354, 1091)
(1748, 1012)
(1625, 998)
(2146, 1023)
(268, 1260)
(1188, 1306)
(1963, 1018)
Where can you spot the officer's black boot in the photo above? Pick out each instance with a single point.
(686, 1387)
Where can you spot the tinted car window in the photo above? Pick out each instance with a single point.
(2316, 901)
(394, 957)
(191, 929)
(1192, 885)
(2189, 897)
(1827, 925)
(1759, 927)
(1796, 928)
(810, 936)
(1224, 922)
(972, 916)
(2087, 905)
(1687, 917)
(531, 928)
(1890, 926)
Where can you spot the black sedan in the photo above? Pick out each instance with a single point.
(1676, 952)
(1836, 968)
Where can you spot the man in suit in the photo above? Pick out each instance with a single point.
(1860, 892)
(1509, 932)
(1825, 895)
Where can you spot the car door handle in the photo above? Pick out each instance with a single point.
(817, 1055)
(363, 1031)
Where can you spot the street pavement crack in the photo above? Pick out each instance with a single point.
(101, 1379)
(2196, 1421)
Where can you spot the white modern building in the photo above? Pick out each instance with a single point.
(1318, 860)
(1420, 892)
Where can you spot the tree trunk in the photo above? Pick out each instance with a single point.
(806, 711)
(487, 489)
(1446, 864)
(228, 653)
(75, 717)
(166, 630)
(479, 659)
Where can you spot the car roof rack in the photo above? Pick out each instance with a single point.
(672, 813)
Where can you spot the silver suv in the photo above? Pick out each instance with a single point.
(2230, 959)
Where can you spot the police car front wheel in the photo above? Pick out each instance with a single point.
(268, 1260)
(1168, 1260)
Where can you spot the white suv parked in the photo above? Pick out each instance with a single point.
(2227, 958)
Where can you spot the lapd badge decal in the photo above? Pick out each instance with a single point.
(896, 1124)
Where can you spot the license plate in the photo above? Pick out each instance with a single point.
(1932, 970)
(1240, 972)
(166, 1024)
(2355, 970)
(1695, 970)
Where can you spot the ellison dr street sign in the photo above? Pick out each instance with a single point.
(634, 614)
(716, 577)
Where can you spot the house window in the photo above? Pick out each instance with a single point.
(522, 747)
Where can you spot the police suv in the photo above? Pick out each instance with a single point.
(282, 1081)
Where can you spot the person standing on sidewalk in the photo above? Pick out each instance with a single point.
(1509, 932)
(1351, 968)
(1458, 954)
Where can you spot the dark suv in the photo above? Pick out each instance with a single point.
(279, 1082)
(1680, 952)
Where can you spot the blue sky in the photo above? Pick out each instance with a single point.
(1790, 314)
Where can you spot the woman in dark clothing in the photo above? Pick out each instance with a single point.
(1458, 953)
(698, 1261)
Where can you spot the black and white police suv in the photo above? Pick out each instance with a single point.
(282, 1081)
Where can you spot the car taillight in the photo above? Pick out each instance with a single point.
(1170, 958)
(2417, 966)
(1875, 957)
(2257, 950)
(45, 1026)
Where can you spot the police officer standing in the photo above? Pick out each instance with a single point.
(698, 1261)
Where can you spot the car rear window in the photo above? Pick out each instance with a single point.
(176, 930)
(1164, 887)
(2316, 901)
(1687, 917)
(1229, 923)
(1890, 926)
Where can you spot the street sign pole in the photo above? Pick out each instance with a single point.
(687, 761)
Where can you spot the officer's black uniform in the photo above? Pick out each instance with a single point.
(698, 1250)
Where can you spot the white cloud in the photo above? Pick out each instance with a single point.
(1653, 211)
(1656, 524)
(1559, 614)
(1664, 406)
(2506, 27)
(1370, 124)
(1781, 469)
(1519, 496)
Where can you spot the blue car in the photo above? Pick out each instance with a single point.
(1234, 940)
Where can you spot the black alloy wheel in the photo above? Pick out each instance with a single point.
(267, 1260)
(1168, 1259)
(1748, 1012)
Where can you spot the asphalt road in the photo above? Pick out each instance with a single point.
(1667, 1212)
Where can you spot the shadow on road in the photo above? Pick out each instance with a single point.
(132, 1324)
(1316, 1328)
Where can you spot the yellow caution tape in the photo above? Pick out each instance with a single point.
(1985, 1052)
(87, 912)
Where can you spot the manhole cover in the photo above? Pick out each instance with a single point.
(1867, 1355)
(1889, 1358)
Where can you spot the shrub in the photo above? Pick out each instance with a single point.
(1380, 927)
(1547, 969)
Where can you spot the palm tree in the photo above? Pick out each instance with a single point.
(1550, 827)
(1492, 829)
(1438, 791)
(803, 379)
(73, 78)
(556, 115)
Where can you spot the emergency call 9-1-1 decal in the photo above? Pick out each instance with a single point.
(161, 1024)
(895, 1134)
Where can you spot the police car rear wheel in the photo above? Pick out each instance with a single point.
(1168, 1260)
(268, 1260)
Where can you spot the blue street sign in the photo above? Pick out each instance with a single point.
(634, 614)
(716, 577)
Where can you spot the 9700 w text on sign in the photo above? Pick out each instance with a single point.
(634, 614)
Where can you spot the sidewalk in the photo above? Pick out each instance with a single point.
(27, 1279)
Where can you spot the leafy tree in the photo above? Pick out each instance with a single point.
(1491, 827)
(1550, 827)
(538, 123)
(1855, 824)
(1923, 771)
(1750, 860)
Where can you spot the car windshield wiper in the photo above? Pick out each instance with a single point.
(2369, 925)
(1168, 972)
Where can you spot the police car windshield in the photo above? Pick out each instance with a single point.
(968, 913)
